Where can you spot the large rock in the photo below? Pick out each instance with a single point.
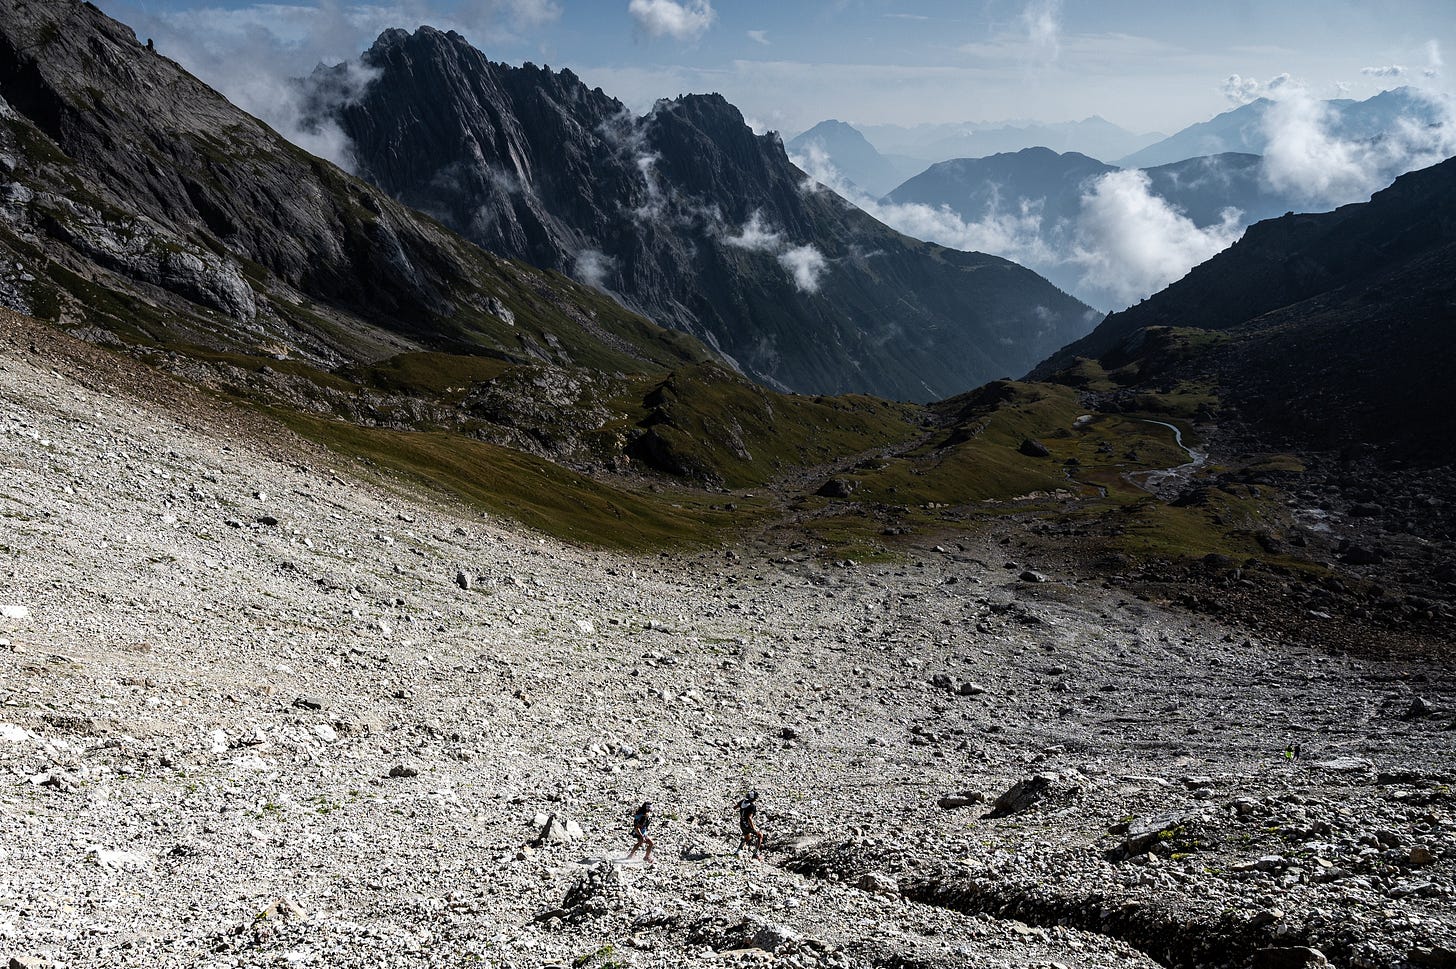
(1027, 793)
(557, 830)
(1289, 957)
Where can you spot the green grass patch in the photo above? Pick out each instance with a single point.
(706, 423)
(531, 490)
(430, 374)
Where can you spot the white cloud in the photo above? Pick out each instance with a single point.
(1130, 243)
(1390, 70)
(806, 265)
(758, 36)
(593, 267)
(757, 235)
(1015, 232)
(1043, 22)
(1307, 159)
(680, 19)
(1241, 90)
(1434, 62)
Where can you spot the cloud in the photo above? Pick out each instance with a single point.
(1308, 158)
(758, 36)
(593, 267)
(757, 235)
(1242, 90)
(1043, 22)
(251, 53)
(1130, 243)
(1015, 231)
(1390, 70)
(680, 19)
(806, 265)
(1126, 243)
(1434, 61)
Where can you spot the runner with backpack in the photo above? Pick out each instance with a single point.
(641, 819)
(751, 834)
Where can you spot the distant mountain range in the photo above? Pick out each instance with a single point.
(1093, 136)
(1042, 195)
(687, 216)
(1200, 188)
(852, 154)
(1242, 129)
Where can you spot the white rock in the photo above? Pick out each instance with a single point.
(15, 612)
(325, 733)
(117, 859)
(585, 627)
(11, 733)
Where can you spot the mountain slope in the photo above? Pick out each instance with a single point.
(1334, 329)
(853, 156)
(140, 202)
(690, 217)
(974, 188)
(1201, 188)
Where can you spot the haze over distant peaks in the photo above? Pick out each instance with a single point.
(1094, 136)
(851, 152)
(1243, 129)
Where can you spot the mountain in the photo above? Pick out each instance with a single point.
(140, 206)
(1093, 136)
(1329, 330)
(688, 216)
(1040, 194)
(853, 156)
(1201, 188)
(974, 188)
(1242, 129)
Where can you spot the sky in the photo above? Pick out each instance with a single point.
(1147, 66)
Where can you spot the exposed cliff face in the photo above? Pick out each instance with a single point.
(136, 199)
(688, 215)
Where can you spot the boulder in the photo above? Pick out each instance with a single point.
(1027, 793)
(878, 883)
(1143, 834)
(557, 830)
(964, 799)
(1418, 709)
(837, 488)
(1034, 449)
(1289, 957)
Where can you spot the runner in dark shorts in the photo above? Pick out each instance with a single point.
(640, 821)
(748, 825)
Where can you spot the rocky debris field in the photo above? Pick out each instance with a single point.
(260, 707)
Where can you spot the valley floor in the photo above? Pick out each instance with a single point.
(249, 716)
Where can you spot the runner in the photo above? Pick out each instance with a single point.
(640, 822)
(752, 834)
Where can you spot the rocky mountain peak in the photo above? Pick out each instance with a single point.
(687, 215)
